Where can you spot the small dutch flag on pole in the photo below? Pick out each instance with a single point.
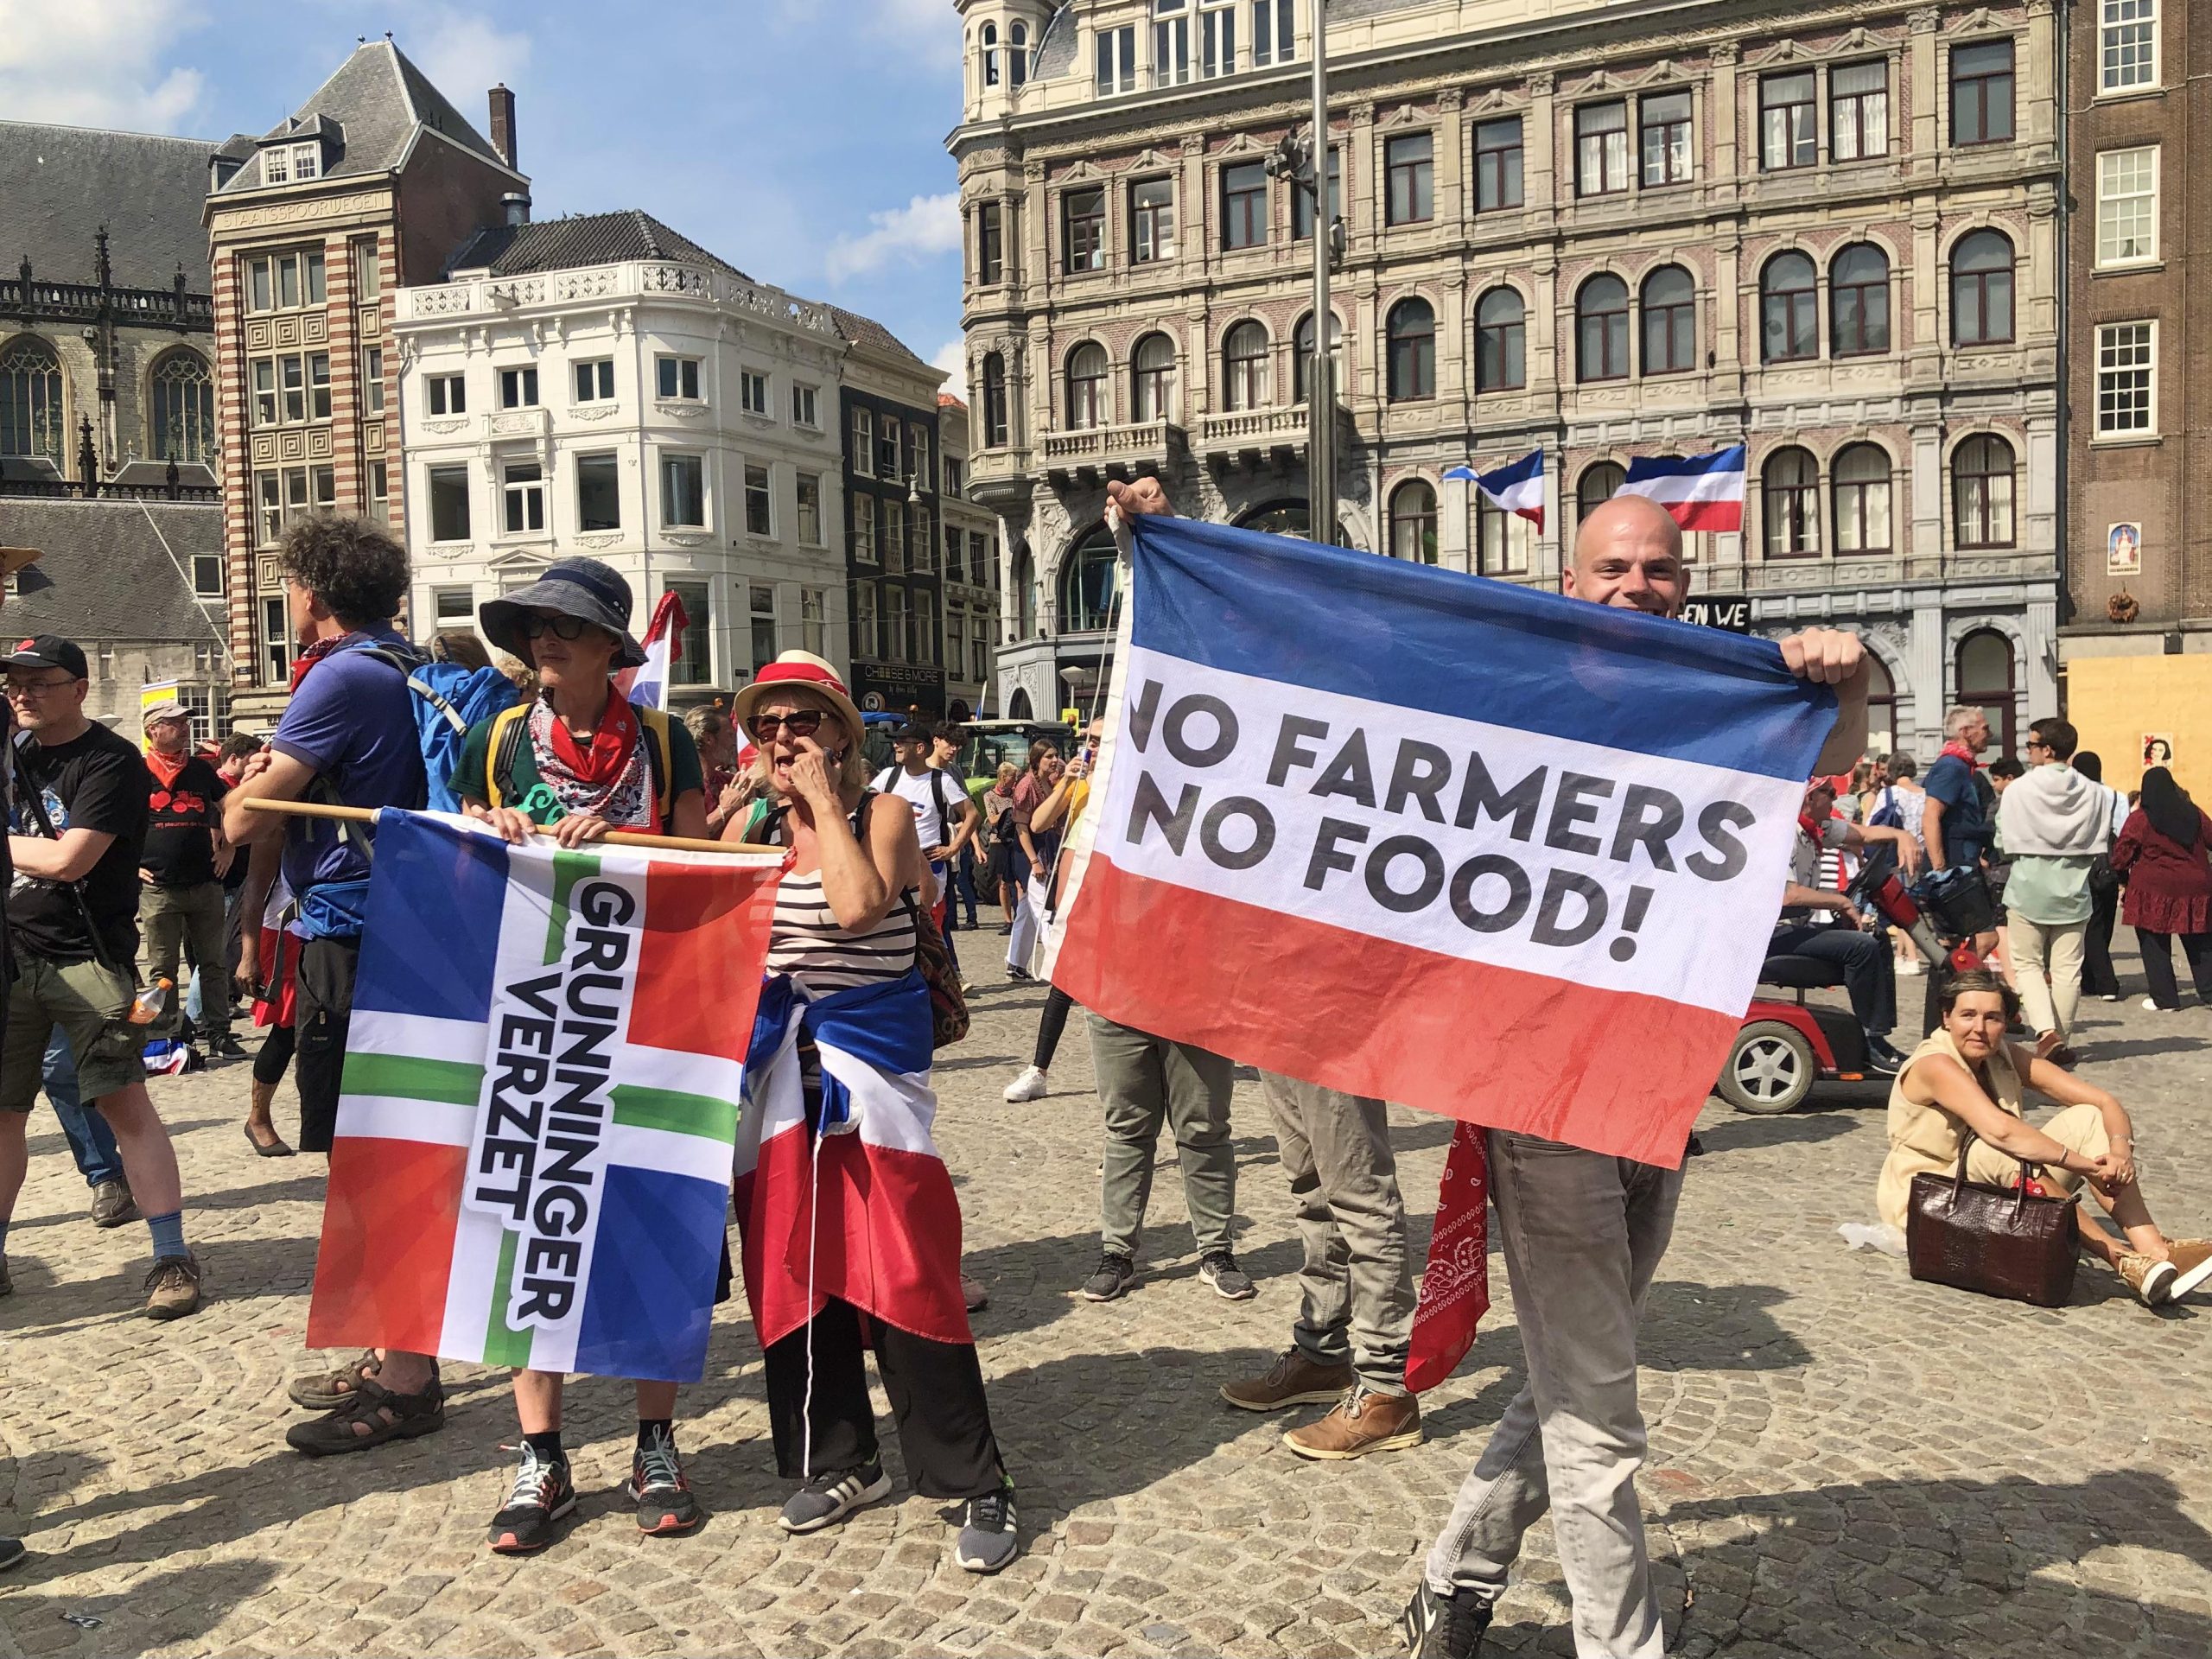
(664, 643)
(1699, 492)
(1517, 489)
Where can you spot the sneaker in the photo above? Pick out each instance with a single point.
(11, 1553)
(828, 1499)
(2151, 1281)
(2108, 996)
(7, 1280)
(543, 1495)
(1882, 1059)
(2191, 1261)
(1230, 1281)
(658, 1489)
(1363, 1421)
(1444, 1627)
(1115, 1273)
(1293, 1380)
(112, 1205)
(986, 1540)
(174, 1285)
(226, 1047)
(973, 1294)
(1030, 1085)
(2150, 1006)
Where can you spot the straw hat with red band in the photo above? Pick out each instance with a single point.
(797, 670)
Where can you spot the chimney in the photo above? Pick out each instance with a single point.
(518, 207)
(503, 123)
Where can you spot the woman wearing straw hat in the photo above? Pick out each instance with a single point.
(581, 760)
(851, 1229)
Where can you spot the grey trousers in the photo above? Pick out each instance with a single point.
(1583, 1235)
(1355, 1291)
(1147, 1081)
(169, 916)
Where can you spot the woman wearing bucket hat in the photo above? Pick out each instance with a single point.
(581, 760)
(851, 1227)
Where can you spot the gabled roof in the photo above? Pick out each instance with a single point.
(380, 101)
(63, 183)
(581, 241)
(866, 331)
(112, 579)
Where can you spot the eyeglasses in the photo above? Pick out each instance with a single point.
(38, 688)
(800, 723)
(535, 623)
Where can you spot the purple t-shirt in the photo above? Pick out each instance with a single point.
(353, 720)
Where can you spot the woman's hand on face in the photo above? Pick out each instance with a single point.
(810, 775)
(580, 827)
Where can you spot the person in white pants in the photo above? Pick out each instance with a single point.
(1039, 847)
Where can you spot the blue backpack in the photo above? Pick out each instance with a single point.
(448, 699)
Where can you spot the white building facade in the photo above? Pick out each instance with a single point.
(657, 410)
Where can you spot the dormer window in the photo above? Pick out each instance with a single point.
(291, 164)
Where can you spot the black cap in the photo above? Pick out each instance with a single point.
(912, 732)
(48, 650)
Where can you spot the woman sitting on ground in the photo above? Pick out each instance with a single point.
(1967, 1080)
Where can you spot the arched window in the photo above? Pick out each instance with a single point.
(1669, 321)
(31, 421)
(1152, 371)
(1881, 707)
(1501, 341)
(1017, 54)
(1088, 400)
(989, 41)
(1413, 522)
(1985, 682)
(1413, 350)
(995, 417)
(1981, 289)
(182, 408)
(1087, 584)
(1859, 302)
(1601, 329)
(1017, 705)
(1790, 309)
(1792, 485)
(1599, 482)
(1982, 492)
(1301, 368)
(1024, 576)
(1862, 500)
(1244, 364)
(1503, 541)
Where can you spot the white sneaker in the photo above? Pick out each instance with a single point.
(1030, 1085)
(2150, 1006)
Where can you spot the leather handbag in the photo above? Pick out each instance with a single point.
(1998, 1241)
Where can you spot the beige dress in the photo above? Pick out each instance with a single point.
(1925, 1138)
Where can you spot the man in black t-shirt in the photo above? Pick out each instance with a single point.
(181, 873)
(76, 832)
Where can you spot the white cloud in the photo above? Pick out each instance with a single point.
(97, 63)
(952, 357)
(923, 228)
(464, 56)
(930, 27)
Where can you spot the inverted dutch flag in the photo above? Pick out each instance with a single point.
(648, 686)
(1516, 489)
(542, 1088)
(1400, 831)
(1699, 492)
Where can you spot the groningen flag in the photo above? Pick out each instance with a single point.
(542, 1088)
(1449, 842)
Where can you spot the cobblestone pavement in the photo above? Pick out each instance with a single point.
(1843, 1462)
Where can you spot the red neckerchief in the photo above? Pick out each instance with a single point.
(619, 731)
(164, 769)
(1963, 753)
(1812, 830)
(320, 649)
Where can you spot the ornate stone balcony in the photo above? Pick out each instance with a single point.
(1112, 451)
(630, 279)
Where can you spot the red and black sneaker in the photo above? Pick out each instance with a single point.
(542, 1496)
(658, 1489)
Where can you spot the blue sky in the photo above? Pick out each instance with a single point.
(801, 140)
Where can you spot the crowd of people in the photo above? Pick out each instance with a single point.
(884, 866)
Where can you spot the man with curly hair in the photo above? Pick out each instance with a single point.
(346, 736)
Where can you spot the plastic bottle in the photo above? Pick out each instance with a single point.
(152, 1002)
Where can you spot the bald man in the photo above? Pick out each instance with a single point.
(1583, 1235)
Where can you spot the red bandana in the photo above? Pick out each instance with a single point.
(611, 745)
(1964, 754)
(320, 649)
(165, 768)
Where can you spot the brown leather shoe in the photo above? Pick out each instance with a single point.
(2192, 1264)
(2151, 1280)
(1295, 1380)
(1363, 1421)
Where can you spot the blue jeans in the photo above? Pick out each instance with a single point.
(91, 1143)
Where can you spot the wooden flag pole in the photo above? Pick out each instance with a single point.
(618, 837)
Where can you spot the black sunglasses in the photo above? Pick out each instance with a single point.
(535, 623)
(801, 723)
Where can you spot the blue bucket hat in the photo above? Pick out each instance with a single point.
(589, 589)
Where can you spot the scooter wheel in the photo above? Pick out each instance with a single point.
(1771, 1069)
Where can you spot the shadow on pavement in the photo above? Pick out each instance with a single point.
(1717, 1328)
(168, 1609)
(1747, 1131)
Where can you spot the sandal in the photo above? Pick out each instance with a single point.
(389, 1416)
(328, 1390)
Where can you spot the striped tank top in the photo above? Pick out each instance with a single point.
(819, 952)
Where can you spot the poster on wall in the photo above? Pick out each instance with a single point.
(2158, 749)
(2124, 550)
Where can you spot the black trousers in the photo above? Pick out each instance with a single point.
(327, 968)
(2098, 977)
(1050, 1024)
(937, 1402)
(275, 1055)
(1869, 971)
(2159, 964)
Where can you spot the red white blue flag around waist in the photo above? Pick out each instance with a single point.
(1412, 834)
(1699, 492)
(1518, 488)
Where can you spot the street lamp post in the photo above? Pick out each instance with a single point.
(1321, 392)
